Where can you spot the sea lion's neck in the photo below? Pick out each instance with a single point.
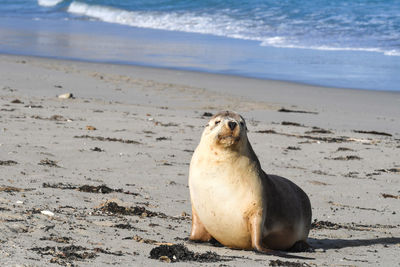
(230, 155)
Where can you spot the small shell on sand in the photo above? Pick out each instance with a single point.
(47, 212)
(66, 96)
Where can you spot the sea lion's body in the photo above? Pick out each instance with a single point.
(235, 201)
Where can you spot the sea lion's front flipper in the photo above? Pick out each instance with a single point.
(255, 225)
(198, 232)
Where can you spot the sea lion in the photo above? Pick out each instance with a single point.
(234, 201)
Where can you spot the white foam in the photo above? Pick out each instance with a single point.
(48, 3)
(392, 53)
(187, 22)
(271, 42)
(216, 24)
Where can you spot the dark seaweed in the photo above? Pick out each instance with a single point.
(293, 148)
(325, 225)
(179, 252)
(109, 139)
(287, 263)
(97, 189)
(58, 239)
(7, 162)
(289, 123)
(344, 149)
(97, 149)
(103, 189)
(17, 101)
(114, 208)
(296, 111)
(317, 130)
(327, 139)
(207, 114)
(68, 254)
(384, 195)
(350, 157)
(373, 132)
(48, 162)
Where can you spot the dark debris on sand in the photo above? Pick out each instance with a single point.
(207, 114)
(17, 101)
(67, 255)
(141, 239)
(289, 123)
(350, 157)
(287, 263)
(109, 139)
(384, 195)
(317, 130)
(317, 225)
(52, 118)
(59, 186)
(344, 149)
(7, 162)
(389, 170)
(373, 132)
(127, 226)
(325, 225)
(97, 189)
(169, 124)
(179, 252)
(103, 189)
(8, 109)
(327, 139)
(267, 131)
(10, 189)
(57, 239)
(33, 106)
(163, 138)
(296, 111)
(97, 149)
(114, 208)
(48, 162)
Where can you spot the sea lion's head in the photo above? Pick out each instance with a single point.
(225, 129)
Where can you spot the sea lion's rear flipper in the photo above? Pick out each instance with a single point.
(255, 223)
(198, 232)
(301, 246)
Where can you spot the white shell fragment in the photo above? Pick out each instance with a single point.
(66, 96)
(47, 212)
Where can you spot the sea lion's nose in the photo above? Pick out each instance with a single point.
(232, 125)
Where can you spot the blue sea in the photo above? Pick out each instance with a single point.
(336, 43)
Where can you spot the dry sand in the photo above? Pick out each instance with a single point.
(134, 129)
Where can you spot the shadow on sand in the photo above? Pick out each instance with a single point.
(344, 243)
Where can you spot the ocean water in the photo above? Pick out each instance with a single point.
(339, 43)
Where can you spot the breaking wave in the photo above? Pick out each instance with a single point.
(226, 23)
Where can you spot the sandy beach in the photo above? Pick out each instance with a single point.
(101, 179)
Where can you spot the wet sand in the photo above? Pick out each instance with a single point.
(101, 179)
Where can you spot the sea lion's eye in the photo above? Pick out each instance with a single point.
(217, 122)
(242, 123)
